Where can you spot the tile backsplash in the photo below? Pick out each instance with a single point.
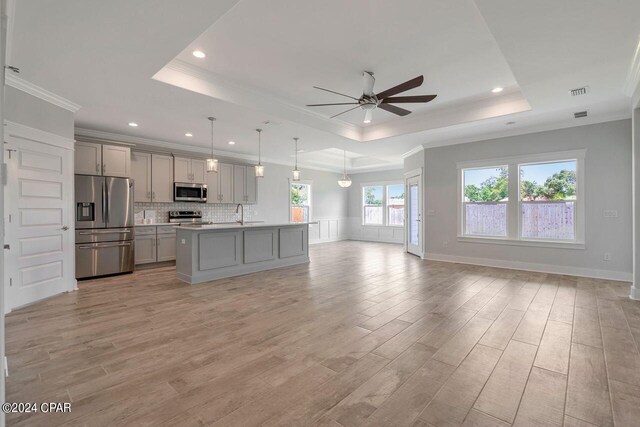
(210, 212)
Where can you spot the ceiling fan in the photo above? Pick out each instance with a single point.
(369, 100)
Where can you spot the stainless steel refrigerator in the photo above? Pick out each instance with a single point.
(104, 226)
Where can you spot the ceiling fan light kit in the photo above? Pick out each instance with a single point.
(384, 100)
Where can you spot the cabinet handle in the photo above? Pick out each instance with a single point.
(153, 195)
(148, 194)
(104, 168)
(97, 167)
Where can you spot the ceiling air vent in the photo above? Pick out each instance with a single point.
(580, 114)
(579, 91)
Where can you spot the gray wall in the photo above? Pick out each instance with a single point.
(328, 200)
(608, 186)
(33, 112)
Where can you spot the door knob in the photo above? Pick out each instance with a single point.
(64, 228)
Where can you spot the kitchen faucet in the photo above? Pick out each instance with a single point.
(240, 208)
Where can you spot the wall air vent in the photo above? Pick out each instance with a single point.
(580, 114)
(579, 91)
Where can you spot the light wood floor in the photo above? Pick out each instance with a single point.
(364, 335)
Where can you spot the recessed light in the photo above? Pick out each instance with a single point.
(188, 134)
(497, 90)
(133, 124)
(367, 121)
(199, 54)
(511, 123)
(232, 143)
(301, 151)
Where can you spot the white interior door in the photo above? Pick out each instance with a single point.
(414, 215)
(39, 221)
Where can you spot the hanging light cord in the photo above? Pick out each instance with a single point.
(212, 119)
(259, 146)
(296, 140)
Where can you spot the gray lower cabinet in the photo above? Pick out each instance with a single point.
(145, 249)
(217, 250)
(260, 245)
(155, 244)
(166, 247)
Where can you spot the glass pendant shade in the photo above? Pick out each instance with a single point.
(212, 164)
(259, 168)
(345, 181)
(296, 172)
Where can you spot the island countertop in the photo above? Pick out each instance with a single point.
(236, 225)
(208, 252)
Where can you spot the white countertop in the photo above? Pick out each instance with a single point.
(248, 224)
(155, 224)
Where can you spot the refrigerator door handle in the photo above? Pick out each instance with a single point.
(104, 245)
(105, 204)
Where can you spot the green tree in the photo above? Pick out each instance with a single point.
(370, 197)
(561, 185)
(298, 195)
(493, 189)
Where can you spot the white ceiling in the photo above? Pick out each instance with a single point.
(131, 61)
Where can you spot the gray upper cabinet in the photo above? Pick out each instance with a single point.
(153, 175)
(244, 184)
(189, 170)
(225, 182)
(116, 161)
(102, 159)
(141, 173)
(161, 178)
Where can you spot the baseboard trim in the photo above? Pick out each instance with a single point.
(634, 294)
(528, 266)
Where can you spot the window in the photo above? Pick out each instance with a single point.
(548, 200)
(548, 209)
(486, 194)
(395, 204)
(372, 201)
(300, 198)
(383, 204)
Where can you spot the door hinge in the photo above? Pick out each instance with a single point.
(10, 150)
(10, 281)
(7, 247)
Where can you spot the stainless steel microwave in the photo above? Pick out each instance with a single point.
(188, 192)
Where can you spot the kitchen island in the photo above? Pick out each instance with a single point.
(217, 251)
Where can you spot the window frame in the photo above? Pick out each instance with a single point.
(465, 203)
(291, 205)
(385, 204)
(514, 205)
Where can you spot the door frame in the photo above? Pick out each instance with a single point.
(16, 130)
(412, 174)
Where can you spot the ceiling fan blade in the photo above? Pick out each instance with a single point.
(350, 109)
(337, 93)
(337, 103)
(393, 109)
(368, 82)
(410, 84)
(408, 99)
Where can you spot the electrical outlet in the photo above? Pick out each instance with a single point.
(607, 256)
(610, 214)
(183, 242)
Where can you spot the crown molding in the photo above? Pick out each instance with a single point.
(147, 144)
(27, 87)
(413, 151)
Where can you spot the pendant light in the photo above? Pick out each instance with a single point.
(296, 172)
(212, 164)
(259, 167)
(345, 181)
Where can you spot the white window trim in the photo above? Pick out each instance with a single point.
(305, 182)
(385, 211)
(514, 206)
